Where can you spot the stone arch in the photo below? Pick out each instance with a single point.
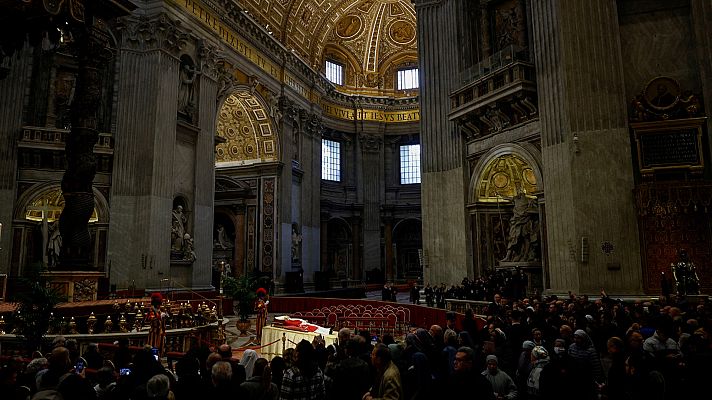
(339, 53)
(35, 239)
(529, 156)
(246, 122)
(53, 190)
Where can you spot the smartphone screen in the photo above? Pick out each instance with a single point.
(79, 367)
(154, 351)
(124, 371)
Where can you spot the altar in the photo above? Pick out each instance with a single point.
(274, 345)
(74, 285)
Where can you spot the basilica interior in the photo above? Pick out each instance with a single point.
(154, 144)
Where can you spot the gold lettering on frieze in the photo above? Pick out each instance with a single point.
(296, 85)
(371, 115)
(230, 37)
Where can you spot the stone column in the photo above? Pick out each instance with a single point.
(288, 130)
(324, 241)
(388, 238)
(12, 88)
(582, 99)
(372, 178)
(142, 180)
(443, 175)
(311, 195)
(701, 15)
(356, 270)
(238, 267)
(485, 31)
(204, 190)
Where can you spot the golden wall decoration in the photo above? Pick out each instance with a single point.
(386, 116)
(349, 27)
(503, 177)
(371, 66)
(247, 130)
(49, 205)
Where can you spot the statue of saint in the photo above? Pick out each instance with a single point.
(222, 240)
(188, 248)
(178, 228)
(54, 245)
(685, 274)
(523, 237)
(188, 73)
(296, 242)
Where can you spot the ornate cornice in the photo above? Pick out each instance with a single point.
(210, 59)
(311, 124)
(289, 110)
(227, 83)
(157, 32)
(370, 143)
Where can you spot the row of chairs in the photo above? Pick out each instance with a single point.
(381, 320)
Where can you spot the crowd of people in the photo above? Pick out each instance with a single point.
(508, 283)
(528, 348)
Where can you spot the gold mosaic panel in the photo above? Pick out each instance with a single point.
(248, 131)
(503, 176)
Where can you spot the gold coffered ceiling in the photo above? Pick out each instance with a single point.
(372, 38)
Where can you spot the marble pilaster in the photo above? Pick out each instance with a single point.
(238, 267)
(388, 239)
(143, 173)
(357, 266)
(12, 87)
(701, 14)
(580, 87)
(372, 153)
(310, 193)
(203, 190)
(287, 129)
(442, 181)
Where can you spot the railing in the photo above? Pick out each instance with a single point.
(477, 306)
(177, 340)
(32, 136)
(488, 86)
(493, 63)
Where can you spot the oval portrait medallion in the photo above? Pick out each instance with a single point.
(402, 32)
(349, 26)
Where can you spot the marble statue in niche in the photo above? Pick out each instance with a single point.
(222, 239)
(54, 245)
(186, 92)
(178, 222)
(296, 244)
(523, 236)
